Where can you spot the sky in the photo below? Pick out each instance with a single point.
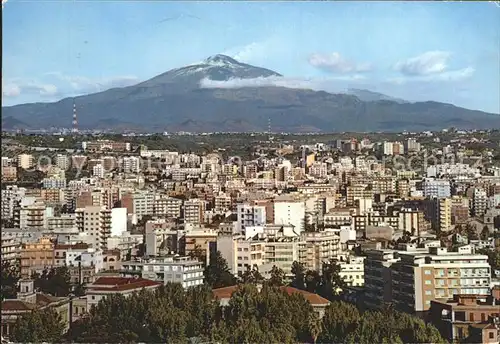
(441, 51)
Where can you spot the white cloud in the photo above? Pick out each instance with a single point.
(449, 76)
(335, 63)
(3, 4)
(17, 87)
(431, 62)
(326, 84)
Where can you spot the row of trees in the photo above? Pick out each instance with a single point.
(174, 315)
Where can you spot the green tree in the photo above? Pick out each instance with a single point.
(38, 326)
(485, 233)
(298, 272)
(56, 281)
(10, 278)
(340, 319)
(331, 281)
(252, 276)
(277, 277)
(312, 281)
(217, 274)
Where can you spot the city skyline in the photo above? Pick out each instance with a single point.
(447, 52)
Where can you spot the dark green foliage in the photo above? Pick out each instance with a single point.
(343, 323)
(217, 274)
(327, 284)
(173, 315)
(38, 326)
(56, 281)
(277, 277)
(10, 277)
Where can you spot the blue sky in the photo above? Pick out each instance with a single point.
(445, 51)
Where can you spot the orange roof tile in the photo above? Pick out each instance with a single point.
(313, 299)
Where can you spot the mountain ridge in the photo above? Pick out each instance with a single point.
(174, 100)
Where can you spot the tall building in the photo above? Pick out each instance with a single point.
(290, 211)
(194, 211)
(437, 188)
(25, 161)
(95, 221)
(479, 202)
(423, 275)
(63, 162)
(249, 215)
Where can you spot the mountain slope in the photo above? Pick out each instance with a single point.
(173, 101)
(370, 96)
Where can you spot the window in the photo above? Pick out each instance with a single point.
(471, 317)
(428, 292)
(428, 282)
(491, 335)
(427, 272)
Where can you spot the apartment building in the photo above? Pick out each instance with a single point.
(79, 254)
(175, 269)
(25, 161)
(161, 239)
(338, 217)
(457, 318)
(249, 215)
(95, 221)
(28, 213)
(131, 164)
(378, 274)
(479, 202)
(352, 270)
(10, 249)
(36, 255)
(194, 211)
(61, 221)
(10, 196)
(436, 188)
(290, 211)
(425, 274)
(321, 247)
(200, 239)
(223, 203)
(167, 207)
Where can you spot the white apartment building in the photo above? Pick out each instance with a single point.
(167, 207)
(54, 183)
(437, 188)
(61, 221)
(175, 269)
(249, 215)
(25, 161)
(10, 196)
(479, 202)
(95, 221)
(223, 203)
(352, 271)
(131, 164)
(63, 162)
(290, 211)
(98, 171)
(78, 255)
(29, 213)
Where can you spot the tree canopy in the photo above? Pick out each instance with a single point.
(10, 278)
(174, 315)
(217, 274)
(38, 326)
(56, 281)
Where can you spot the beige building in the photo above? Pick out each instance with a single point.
(27, 301)
(95, 221)
(36, 256)
(25, 161)
(427, 274)
(10, 249)
(194, 211)
(321, 247)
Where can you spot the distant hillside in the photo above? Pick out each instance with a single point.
(174, 101)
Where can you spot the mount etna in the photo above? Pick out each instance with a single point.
(175, 101)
